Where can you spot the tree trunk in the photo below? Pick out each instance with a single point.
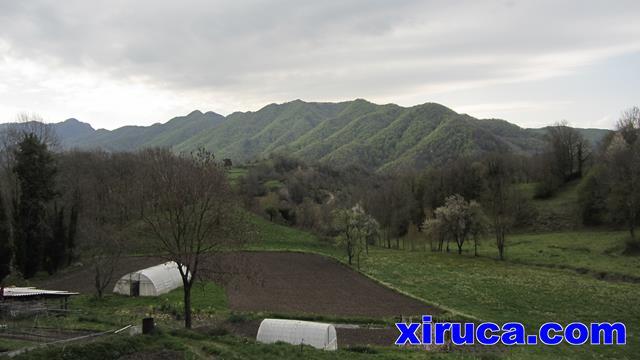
(580, 160)
(187, 304)
(501, 245)
(98, 283)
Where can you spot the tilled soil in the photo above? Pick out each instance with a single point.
(80, 278)
(297, 283)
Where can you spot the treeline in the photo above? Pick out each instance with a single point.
(469, 198)
(56, 206)
(610, 193)
(38, 221)
(99, 205)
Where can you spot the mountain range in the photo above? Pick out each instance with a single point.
(378, 136)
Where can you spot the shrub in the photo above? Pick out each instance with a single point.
(362, 349)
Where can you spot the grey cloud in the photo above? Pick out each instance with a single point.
(310, 48)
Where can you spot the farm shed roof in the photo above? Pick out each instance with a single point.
(319, 335)
(153, 281)
(31, 292)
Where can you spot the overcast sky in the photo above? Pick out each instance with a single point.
(113, 63)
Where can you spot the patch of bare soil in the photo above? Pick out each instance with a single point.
(80, 278)
(297, 283)
(366, 336)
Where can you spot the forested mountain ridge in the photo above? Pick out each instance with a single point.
(378, 136)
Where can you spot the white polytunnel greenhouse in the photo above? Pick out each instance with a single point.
(296, 332)
(153, 281)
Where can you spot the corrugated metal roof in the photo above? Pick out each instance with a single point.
(32, 291)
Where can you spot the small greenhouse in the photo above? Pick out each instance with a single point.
(153, 281)
(296, 332)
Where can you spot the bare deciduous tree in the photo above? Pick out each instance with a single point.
(499, 199)
(192, 212)
(570, 150)
(105, 257)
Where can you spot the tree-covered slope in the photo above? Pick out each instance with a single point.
(378, 136)
(128, 138)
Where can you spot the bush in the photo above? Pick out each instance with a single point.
(525, 213)
(362, 349)
(592, 198)
(547, 187)
(217, 331)
(632, 247)
(175, 310)
(238, 318)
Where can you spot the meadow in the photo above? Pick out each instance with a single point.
(530, 287)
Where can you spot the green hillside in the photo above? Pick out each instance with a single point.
(169, 134)
(594, 136)
(377, 136)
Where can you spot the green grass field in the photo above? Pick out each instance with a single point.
(235, 173)
(546, 277)
(559, 212)
(518, 289)
(599, 253)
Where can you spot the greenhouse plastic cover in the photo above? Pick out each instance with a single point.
(296, 332)
(153, 281)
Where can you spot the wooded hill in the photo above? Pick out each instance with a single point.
(383, 137)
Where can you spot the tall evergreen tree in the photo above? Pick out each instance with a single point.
(71, 234)
(35, 169)
(56, 246)
(6, 250)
